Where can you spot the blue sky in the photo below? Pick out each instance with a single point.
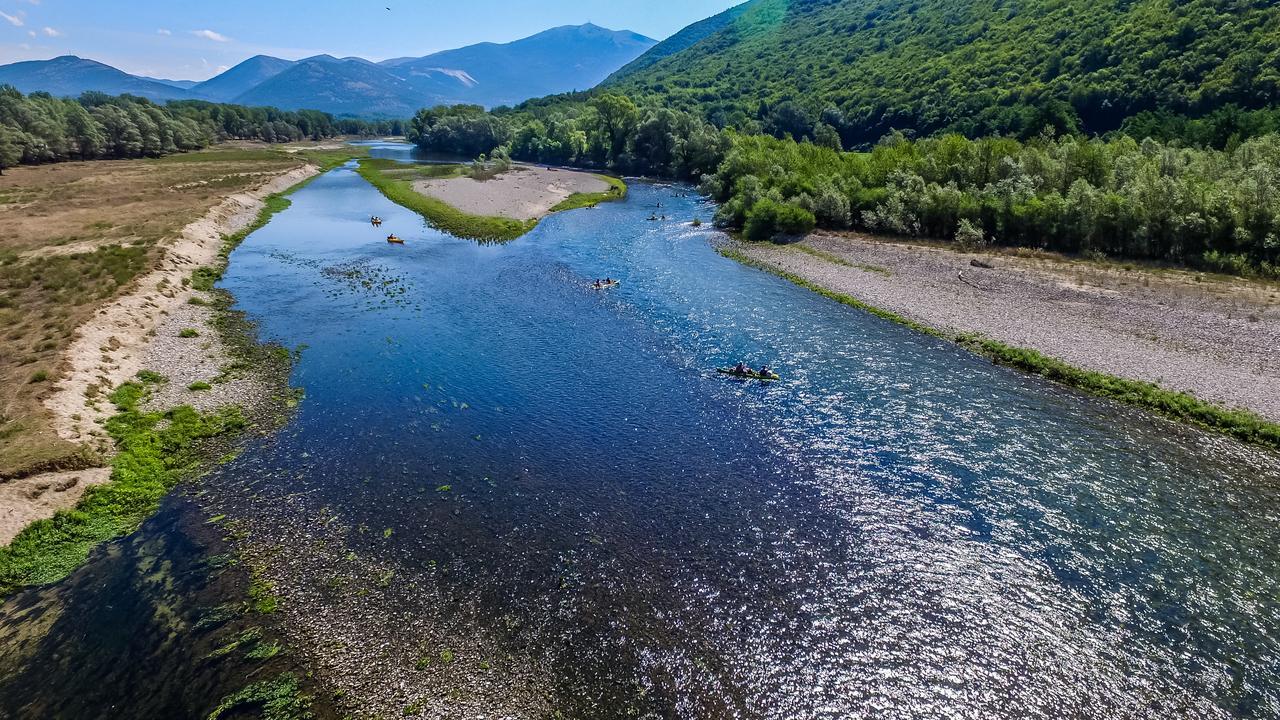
(191, 39)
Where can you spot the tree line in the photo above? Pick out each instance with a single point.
(1116, 196)
(40, 128)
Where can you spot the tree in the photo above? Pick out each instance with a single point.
(10, 148)
(617, 118)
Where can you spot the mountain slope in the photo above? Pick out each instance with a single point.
(69, 76)
(347, 87)
(182, 84)
(555, 61)
(979, 67)
(242, 78)
(683, 40)
(571, 57)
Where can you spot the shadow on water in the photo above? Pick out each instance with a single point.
(154, 626)
(510, 494)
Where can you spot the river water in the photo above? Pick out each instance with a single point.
(508, 494)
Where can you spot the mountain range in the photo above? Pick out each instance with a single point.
(562, 59)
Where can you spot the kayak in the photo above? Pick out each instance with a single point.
(605, 286)
(748, 375)
(394, 239)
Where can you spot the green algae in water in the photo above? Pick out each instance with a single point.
(278, 699)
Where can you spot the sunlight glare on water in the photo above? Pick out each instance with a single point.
(563, 489)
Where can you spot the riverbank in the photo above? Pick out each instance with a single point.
(1205, 343)
(178, 335)
(497, 209)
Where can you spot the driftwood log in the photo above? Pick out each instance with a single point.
(969, 282)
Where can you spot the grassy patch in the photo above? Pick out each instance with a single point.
(155, 451)
(396, 184)
(199, 385)
(120, 211)
(837, 260)
(1240, 424)
(617, 190)
(189, 333)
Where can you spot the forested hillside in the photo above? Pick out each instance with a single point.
(985, 67)
(40, 128)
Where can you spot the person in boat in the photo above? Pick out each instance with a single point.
(597, 283)
(608, 281)
(741, 368)
(765, 371)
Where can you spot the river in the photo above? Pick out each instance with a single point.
(507, 494)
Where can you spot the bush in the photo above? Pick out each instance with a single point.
(768, 218)
(969, 235)
(188, 333)
(39, 376)
(199, 385)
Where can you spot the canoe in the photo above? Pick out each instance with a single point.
(606, 286)
(748, 375)
(394, 239)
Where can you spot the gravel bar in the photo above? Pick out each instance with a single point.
(1213, 337)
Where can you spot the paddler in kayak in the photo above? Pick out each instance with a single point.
(741, 368)
(765, 371)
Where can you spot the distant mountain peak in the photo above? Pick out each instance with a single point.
(556, 60)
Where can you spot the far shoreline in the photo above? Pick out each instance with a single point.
(1196, 349)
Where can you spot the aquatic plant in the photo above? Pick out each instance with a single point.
(279, 698)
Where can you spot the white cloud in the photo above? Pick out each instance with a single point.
(211, 35)
(52, 32)
(162, 31)
(14, 20)
(31, 33)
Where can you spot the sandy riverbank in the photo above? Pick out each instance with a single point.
(140, 330)
(1212, 337)
(522, 193)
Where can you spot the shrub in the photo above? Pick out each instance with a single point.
(199, 385)
(768, 218)
(39, 376)
(970, 235)
(188, 333)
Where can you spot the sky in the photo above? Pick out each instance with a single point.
(194, 40)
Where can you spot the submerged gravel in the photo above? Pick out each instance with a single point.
(1214, 338)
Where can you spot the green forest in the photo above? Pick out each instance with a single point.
(1127, 128)
(1218, 209)
(39, 128)
(990, 67)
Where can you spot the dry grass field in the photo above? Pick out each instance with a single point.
(74, 235)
